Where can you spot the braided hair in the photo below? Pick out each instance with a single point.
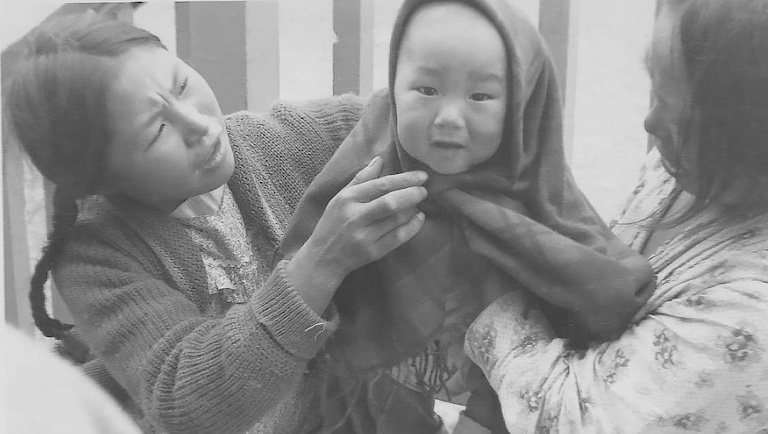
(56, 105)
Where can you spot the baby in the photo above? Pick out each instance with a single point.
(472, 100)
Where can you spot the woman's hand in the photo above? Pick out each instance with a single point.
(367, 219)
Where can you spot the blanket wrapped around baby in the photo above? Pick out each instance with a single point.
(518, 215)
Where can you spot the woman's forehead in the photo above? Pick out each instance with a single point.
(145, 66)
(665, 55)
(144, 77)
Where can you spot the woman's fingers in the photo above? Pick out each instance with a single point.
(393, 203)
(367, 219)
(375, 188)
(398, 236)
(385, 225)
(367, 173)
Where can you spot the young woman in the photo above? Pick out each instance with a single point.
(166, 218)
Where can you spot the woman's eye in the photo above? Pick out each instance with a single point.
(183, 86)
(480, 96)
(427, 91)
(157, 136)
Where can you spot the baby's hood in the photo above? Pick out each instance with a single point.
(533, 97)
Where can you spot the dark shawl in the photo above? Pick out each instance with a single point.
(520, 213)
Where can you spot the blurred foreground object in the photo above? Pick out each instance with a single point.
(45, 394)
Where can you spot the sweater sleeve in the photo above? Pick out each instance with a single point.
(188, 372)
(697, 364)
(335, 116)
(279, 153)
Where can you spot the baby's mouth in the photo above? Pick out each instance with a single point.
(447, 144)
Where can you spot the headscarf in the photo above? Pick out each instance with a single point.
(519, 213)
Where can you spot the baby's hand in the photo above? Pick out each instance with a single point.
(468, 426)
(483, 411)
(495, 285)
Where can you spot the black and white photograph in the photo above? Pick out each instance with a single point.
(384, 216)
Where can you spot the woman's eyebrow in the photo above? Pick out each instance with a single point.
(175, 78)
(167, 95)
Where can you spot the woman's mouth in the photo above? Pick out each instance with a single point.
(215, 157)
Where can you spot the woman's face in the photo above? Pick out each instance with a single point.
(169, 138)
(671, 98)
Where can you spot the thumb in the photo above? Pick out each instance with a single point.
(369, 172)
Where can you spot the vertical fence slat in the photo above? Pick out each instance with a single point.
(262, 51)
(353, 51)
(210, 37)
(558, 24)
(367, 8)
(15, 249)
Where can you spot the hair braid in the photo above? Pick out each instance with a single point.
(56, 109)
(64, 217)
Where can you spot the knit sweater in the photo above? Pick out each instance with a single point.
(136, 286)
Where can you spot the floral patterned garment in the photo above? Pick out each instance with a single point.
(695, 359)
(440, 369)
(226, 250)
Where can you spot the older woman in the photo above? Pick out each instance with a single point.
(695, 357)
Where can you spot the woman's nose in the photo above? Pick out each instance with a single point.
(192, 124)
(647, 124)
(651, 120)
(449, 116)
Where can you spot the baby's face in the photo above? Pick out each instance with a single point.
(450, 88)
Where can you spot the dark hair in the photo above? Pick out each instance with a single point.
(724, 47)
(56, 109)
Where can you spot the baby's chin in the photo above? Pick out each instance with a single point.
(448, 168)
(444, 163)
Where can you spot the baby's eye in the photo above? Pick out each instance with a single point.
(427, 91)
(480, 96)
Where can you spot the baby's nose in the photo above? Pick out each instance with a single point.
(449, 116)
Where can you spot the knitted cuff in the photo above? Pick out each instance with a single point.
(289, 320)
(97, 371)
